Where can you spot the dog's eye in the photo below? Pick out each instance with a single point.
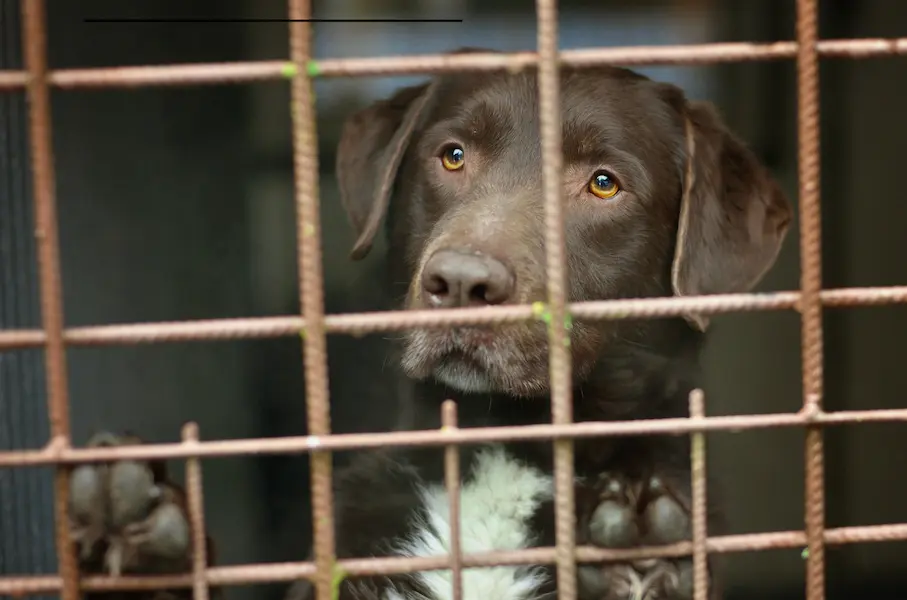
(453, 158)
(603, 185)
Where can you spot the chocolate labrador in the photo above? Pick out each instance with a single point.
(660, 199)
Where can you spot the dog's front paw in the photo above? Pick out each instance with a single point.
(624, 514)
(127, 517)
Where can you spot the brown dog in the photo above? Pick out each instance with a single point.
(660, 199)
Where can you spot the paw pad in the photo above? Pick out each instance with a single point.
(125, 518)
(637, 513)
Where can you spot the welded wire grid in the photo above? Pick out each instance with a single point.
(37, 81)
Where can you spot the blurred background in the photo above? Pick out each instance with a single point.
(177, 204)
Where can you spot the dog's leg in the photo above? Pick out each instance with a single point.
(127, 517)
(617, 511)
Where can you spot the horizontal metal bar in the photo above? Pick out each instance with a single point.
(244, 72)
(285, 572)
(13, 80)
(681, 54)
(57, 454)
(374, 322)
(159, 75)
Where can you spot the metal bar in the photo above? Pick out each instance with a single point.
(253, 71)
(311, 291)
(53, 455)
(158, 75)
(700, 505)
(372, 322)
(196, 507)
(559, 356)
(13, 80)
(452, 485)
(43, 177)
(28, 541)
(808, 141)
(691, 54)
(285, 572)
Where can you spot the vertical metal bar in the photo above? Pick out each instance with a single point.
(452, 485)
(26, 508)
(700, 503)
(195, 500)
(811, 286)
(311, 291)
(39, 120)
(556, 268)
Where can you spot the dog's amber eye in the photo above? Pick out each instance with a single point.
(453, 158)
(603, 185)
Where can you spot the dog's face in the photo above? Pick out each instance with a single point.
(658, 199)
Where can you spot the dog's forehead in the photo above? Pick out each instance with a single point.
(611, 91)
(605, 111)
(609, 101)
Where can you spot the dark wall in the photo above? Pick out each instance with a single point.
(152, 213)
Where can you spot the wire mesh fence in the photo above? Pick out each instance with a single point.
(313, 325)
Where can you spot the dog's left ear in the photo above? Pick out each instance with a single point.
(372, 145)
(371, 148)
(733, 216)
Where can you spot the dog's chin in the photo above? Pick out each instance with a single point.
(478, 361)
(463, 374)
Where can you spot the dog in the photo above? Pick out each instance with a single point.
(660, 199)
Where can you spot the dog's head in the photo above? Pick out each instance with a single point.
(659, 199)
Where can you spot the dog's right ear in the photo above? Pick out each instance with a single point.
(733, 216)
(372, 144)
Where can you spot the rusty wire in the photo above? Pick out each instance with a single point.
(196, 509)
(286, 572)
(35, 50)
(311, 292)
(313, 324)
(52, 455)
(374, 322)
(452, 486)
(699, 500)
(250, 72)
(559, 365)
(810, 305)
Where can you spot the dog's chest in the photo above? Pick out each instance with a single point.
(499, 497)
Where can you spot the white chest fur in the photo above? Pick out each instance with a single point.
(496, 503)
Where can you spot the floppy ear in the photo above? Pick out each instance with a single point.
(733, 215)
(372, 144)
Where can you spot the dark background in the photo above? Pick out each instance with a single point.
(177, 204)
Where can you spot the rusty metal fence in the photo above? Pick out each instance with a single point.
(37, 80)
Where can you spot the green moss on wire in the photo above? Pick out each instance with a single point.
(289, 70)
(542, 313)
(337, 578)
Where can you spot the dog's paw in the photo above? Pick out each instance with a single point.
(624, 514)
(127, 517)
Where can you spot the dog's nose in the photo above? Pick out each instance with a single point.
(454, 279)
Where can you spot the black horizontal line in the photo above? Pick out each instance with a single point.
(241, 20)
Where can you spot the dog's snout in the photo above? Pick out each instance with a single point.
(453, 279)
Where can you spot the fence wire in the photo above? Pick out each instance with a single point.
(301, 69)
